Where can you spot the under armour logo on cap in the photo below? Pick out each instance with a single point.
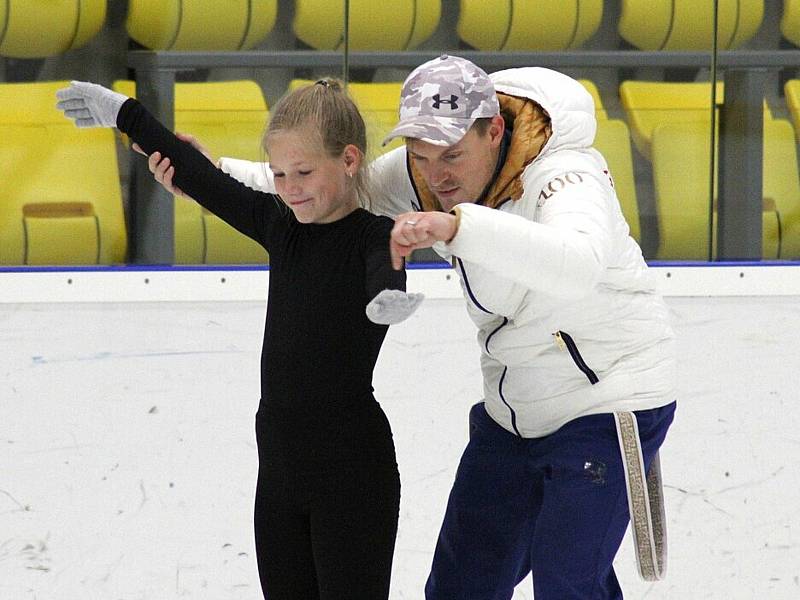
(437, 101)
(442, 98)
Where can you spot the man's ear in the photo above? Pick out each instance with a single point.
(496, 129)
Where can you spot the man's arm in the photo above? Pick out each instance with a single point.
(565, 260)
(564, 255)
(255, 175)
(389, 193)
(390, 190)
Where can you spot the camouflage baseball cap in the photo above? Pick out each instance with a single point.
(441, 99)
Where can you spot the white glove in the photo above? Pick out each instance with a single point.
(392, 306)
(89, 104)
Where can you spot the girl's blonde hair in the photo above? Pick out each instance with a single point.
(325, 108)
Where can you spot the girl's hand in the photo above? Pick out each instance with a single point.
(393, 306)
(89, 104)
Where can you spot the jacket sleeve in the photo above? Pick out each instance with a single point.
(255, 175)
(563, 253)
(390, 191)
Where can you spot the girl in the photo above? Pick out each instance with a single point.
(328, 490)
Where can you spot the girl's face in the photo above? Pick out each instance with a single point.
(314, 185)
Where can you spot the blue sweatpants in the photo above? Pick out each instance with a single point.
(555, 506)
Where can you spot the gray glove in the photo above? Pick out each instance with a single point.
(392, 306)
(89, 104)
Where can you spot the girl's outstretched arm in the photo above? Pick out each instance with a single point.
(253, 213)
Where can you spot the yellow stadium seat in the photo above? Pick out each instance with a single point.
(228, 117)
(681, 158)
(60, 202)
(790, 21)
(614, 143)
(200, 24)
(38, 29)
(389, 26)
(599, 108)
(688, 24)
(528, 24)
(792, 91)
(653, 106)
(378, 103)
(782, 183)
(649, 104)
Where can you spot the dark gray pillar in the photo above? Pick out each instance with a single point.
(741, 154)
(152, 239)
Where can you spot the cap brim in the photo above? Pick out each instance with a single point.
(439, 131)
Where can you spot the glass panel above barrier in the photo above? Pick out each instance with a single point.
(660, 157)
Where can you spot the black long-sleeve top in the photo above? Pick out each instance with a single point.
(319, 348)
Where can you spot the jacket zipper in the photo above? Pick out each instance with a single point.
(489, 337)
(469, 289)
(565, 341)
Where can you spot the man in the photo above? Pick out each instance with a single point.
(499, 175)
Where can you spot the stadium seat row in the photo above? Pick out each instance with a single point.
(36, 29)
(65, 203)
(671, 127)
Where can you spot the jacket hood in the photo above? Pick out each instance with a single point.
(566, 101)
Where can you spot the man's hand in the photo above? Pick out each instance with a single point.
(161, 167)
(413, 230)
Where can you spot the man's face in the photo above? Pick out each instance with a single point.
(461, 172)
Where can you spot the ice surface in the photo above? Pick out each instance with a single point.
(128, 461)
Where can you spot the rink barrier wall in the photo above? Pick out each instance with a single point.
(250, 283)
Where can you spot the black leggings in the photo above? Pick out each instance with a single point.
(326, 534)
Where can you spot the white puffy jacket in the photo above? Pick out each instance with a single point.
(569, 321)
